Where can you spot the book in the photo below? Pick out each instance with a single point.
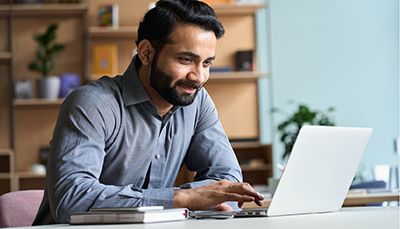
(127, 216)
(69, 82)
(221, 69)
(129, 209)
(244, 60)
(105, 59)
(30, 1)
(108, 15)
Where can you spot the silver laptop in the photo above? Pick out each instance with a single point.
(318, 173)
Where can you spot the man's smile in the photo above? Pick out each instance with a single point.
(188, 89)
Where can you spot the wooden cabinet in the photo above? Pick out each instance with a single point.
(255, 160)
(32, 121)
(7, 162)
(8, 181)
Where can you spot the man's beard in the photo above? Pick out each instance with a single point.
(161, 81)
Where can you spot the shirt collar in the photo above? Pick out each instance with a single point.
(133, 91)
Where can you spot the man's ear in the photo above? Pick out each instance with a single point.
(145, 52)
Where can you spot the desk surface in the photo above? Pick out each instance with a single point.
(351, 199)
(349, 217)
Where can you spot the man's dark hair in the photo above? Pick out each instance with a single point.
(160, 21)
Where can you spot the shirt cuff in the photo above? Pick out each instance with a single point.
(158, 197)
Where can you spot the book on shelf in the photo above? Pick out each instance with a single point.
(69, 82)
(244, 60)
(108, 15)
(128, 215)
(105, 59)
(30, 1)
(221, 69)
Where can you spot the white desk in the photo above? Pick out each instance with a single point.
(351, 200)
(351, 217)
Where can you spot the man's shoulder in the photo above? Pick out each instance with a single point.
(105, 89)
(202, 107)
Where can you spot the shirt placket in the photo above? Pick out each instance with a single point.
(158, 161)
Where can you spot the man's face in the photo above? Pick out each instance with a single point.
(182, 67)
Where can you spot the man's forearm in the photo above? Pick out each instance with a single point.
(80, 198)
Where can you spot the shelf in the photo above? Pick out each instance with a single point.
(4, 10)
(5, 175)
(245, 144)
(248, 168)
(120, 32)
(223, 77)
(48, 9)
(5, 56)
(237, 9)
(5, 152)
(37, 102)
(22, 175)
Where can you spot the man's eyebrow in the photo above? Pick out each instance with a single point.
(191, 54)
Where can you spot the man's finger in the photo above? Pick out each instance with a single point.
(223, 207)
(245, 189)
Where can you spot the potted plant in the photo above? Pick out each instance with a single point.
(289, 129)
(46, 55)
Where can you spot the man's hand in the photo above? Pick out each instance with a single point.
(213, 196)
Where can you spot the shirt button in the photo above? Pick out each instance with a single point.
(158, 156)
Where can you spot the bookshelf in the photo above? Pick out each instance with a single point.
(32, 120)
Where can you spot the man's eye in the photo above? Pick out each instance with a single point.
(185, 60)
(207, 63)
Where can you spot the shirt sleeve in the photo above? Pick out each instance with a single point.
(85, 121)
(210, 154)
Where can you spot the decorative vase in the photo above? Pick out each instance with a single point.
(48, 87)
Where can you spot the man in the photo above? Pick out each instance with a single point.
(120, 142)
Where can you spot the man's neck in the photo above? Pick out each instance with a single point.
(162, 106)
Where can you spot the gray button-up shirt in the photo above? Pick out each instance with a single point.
(111, 148)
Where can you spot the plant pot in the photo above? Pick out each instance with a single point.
(48, 87)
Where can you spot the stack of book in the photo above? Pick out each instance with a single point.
(129, 215)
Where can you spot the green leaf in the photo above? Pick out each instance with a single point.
(290, 128)
(57, 48)
(34, 67)
(47, 51)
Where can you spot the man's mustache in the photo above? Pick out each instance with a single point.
(190, 84)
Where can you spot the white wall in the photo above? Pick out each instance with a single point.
(334, 53)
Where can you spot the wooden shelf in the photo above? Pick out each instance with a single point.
(37, 102)
(247, 168)
(231, 9)
(5, 152)
(5, 56)
(5, 175)
(246, 144)
(48, 9)
(4, 10)
(223, 77)
(120, 32)
(30, 175)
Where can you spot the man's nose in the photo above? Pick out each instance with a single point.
(198, 74)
